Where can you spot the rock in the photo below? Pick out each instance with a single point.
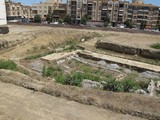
(102, 62)
(127, 70)
(158, 84)
(91, 84)
(119, 77)
(60, 61)
(151, 88)
(140, 91)
(59, 49)
(83, 40)
(151, 75)
(37, 66)
(113, 66)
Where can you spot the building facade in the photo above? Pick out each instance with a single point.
(17, 11)
(158, 22)
(139, 13)
(3, 22)
(60, 12)
(44, 8)
(138, 1)
(118, 11)
(97, 10)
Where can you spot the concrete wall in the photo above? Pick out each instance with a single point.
(3, 20)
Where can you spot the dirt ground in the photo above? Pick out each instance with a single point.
(18, 103)
(133, 40)
(23, 104)
(46, 36)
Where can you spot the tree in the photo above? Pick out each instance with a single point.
(60, 21)
(67, 19)
(128, 24)
(37, 18)
(84, 19)
(106, 21)
(49, 17)
(143, 25)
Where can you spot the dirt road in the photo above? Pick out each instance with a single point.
(18, 103)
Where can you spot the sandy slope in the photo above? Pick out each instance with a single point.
(17, 103)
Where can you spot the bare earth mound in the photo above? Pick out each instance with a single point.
(18, 103)
(133, 104)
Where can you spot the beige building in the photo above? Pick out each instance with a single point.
(16, 11)
(139, 12)
(158, 22)
(44, 8)
(97, 10)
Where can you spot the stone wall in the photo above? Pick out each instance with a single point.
(146, 53)
(4, 30)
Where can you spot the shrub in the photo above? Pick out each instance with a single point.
(156, 46)
(143, 84)
(67, 19)
(51, 72)
(10, 65)
(37, 18)
(84, 19)
(74, 79)
(60, 21)
(128, 23)
(49, 17)
(111, 84)
(129, 84)
(126, 85)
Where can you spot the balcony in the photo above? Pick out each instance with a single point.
(121, 9)
(120, 14)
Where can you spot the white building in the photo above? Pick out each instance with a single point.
(44, 8)
(3, 21)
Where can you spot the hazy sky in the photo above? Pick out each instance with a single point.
(29, 2)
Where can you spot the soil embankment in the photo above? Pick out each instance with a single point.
(133, 104)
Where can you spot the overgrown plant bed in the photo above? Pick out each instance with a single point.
(76, 71)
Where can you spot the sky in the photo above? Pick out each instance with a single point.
(29, 2)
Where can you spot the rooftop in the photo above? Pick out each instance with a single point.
(143, 5)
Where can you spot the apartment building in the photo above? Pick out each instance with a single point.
(115, 10)
(44, 8)
(16, 11)
(97, 10)
(139, 12)
(60, 12)
(94, 10)
(138, 1)
(76, 9)
(158, 22)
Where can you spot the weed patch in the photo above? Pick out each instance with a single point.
(10, 65)
(156, 46)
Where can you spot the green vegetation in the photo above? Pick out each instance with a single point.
(106, 21)
(38, 55)
(71, 43)
(143, 25)
(84, 19)
(8, 64)
(126, 85)
(156, 46)
(60, 21)
(49, 17)
(128, 24)
(37, 18)
(67, 19)
(51, 71)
